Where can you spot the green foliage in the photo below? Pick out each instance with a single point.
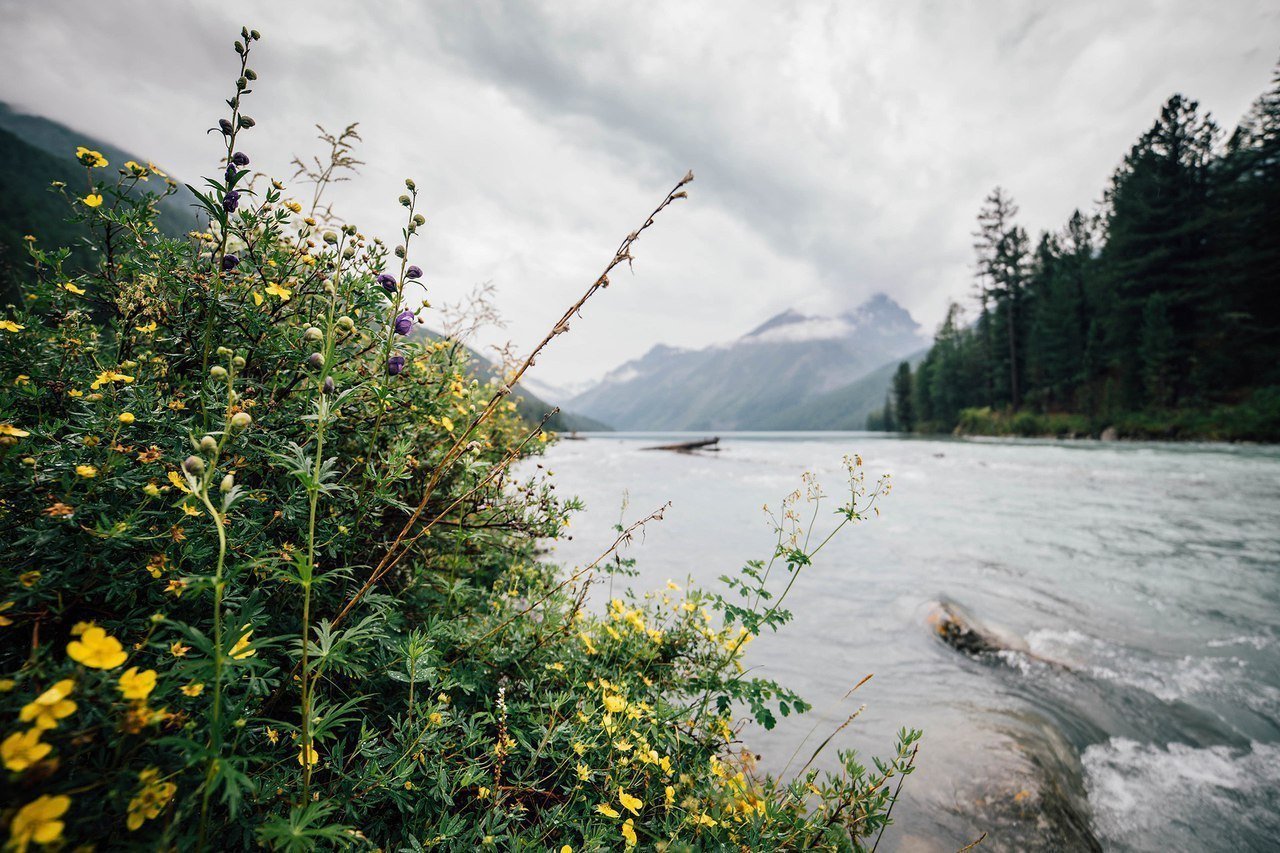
(263, 588)
(1157, 317)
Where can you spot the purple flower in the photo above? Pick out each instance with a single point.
(225, 126)
(413, 272)
(404, 322)
(388, 283)
(329, 385)
(231, 201)
(395, 364)
(230, 173)
(240, 159)
(229, 262)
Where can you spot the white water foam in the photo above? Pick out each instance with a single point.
(1148, 797)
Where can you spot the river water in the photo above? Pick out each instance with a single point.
(1143, 578)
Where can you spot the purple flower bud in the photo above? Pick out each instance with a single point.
(395, 364)
(388, 283)
(315, 361)
(240, 159)
(231, 201)
(230, 262)
(230, 174)
(225, 126)
(328, 385)
(404, 322)
(413, 272)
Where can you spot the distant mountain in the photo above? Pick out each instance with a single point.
(846, 407)
(784, 362)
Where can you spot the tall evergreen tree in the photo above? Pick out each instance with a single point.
(903, 399)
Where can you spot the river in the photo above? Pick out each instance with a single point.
(1144, 579)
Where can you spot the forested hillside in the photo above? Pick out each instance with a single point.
(1157, 315)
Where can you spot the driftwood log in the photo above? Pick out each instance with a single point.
(689, 446)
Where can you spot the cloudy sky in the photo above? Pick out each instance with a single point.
(840, 148)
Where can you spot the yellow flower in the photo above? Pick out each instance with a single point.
(584, 772)
(38, 821)
(109, 376)
(483, 793)
(92, 200)
(151, 490)
(87, 471)
(436, 718)
(155, 170)
(607, 810)
(241, 649)
(566, 849)
(137, 685)
(587, 644)
(50, 706)
(7, 685)
(179, 482)
(257, 298)
(10, 326)
(307, 756)
(5, 621)
(71, 288)
(272, 734)
(97, 649)
(151, 798)
(446, 422)
(615, 704)
(89, 157)
(284, 293)
(126, 418)
(10, 429)
(147, 329)
(670, 794)
(178, 650)
(294, 206)
(673, 585)
(191, 510)
(629, 832)
(22, 749)
(29, 579)
(630, 803)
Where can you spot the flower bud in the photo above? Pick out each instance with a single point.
(218, 372)
(240, 159)
(315, 361)
(328, 385)
(255, 35)
(247, 122)
(346, 324)
(224, 126)
(404, 322)
(194, 466)
(399, 251)
(404, 199)
(413, 272)
(238, 362)
(349, 252)
(223, 351)
(330, 237)
(230, 261)
(209, 444)
(419, 219)
(312, 335)
(410, 185)
(228, 483)
(387, 282)
(329, 287)
(241, 420)
(395, 364)
(251, 74)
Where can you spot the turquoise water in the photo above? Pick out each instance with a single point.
(1149, 574)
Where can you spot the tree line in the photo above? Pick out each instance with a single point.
(1163, 300)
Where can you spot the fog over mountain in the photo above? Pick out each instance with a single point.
(787, 360)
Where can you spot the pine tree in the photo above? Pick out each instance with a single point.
(903, 399)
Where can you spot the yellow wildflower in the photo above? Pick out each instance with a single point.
(607, 810)
(92, 200)
(151, 490)
(584, 772)
(38, 821)
(50, 706)
(11, 430)
(108, 376)
(629, 832)
(483, 793)
(89, 157)
(87, 471)
(272, 734)
(630, 803)
(284, 293)
(146, 329)
(586, 643)
(151, 798)
(7, 685)
(97, 649)
(446, 422)
(137, 685)
(179, 482)
(10, 326)
(178, 650)
(307, 756)
(436, 718)
(5, 621)
(29, 579)
(71, 288)
(615, 704)
(22, 749)
(241, 649)
(670, 794)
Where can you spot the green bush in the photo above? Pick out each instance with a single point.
(270, 579)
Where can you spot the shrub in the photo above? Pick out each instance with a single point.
(271, 581)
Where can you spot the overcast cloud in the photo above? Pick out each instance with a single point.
(840, 148)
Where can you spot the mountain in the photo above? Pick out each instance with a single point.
(789, 359)
(846, 407)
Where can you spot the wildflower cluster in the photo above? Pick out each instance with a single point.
(271, 580)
